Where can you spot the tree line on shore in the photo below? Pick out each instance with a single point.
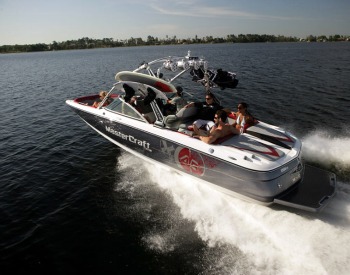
(89, 43)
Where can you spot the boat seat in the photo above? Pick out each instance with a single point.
(129, 92)
(150, 117)
(142, 107)
(184, 116)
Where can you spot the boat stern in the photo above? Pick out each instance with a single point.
(312, 192)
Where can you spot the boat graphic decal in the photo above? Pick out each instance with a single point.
(272, 151)
(130, 138)
(284, 137)
(167, 149)
(190, 161)
(210, 163)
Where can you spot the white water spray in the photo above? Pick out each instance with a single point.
(320, 147)
(258, 239)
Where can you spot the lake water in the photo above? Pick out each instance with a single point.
(73, 203)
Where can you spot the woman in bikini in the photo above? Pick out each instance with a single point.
(243, 117)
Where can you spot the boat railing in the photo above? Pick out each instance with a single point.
(173, 64)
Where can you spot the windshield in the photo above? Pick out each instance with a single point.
(119, 106)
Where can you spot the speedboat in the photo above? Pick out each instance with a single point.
(263, 164)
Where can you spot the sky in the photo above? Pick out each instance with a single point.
(44, 21)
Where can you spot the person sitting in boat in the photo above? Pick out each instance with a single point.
(98, 101)
(243, 117)
(206, 113)
(131, 101)
(220, 130)
(178, 101)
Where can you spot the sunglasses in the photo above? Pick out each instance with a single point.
(207, 98)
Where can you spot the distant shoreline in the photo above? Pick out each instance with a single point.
(89, 43)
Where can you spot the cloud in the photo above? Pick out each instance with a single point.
(196, 9)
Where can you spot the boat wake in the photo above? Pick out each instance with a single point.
(321, 147)
(243, 237)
